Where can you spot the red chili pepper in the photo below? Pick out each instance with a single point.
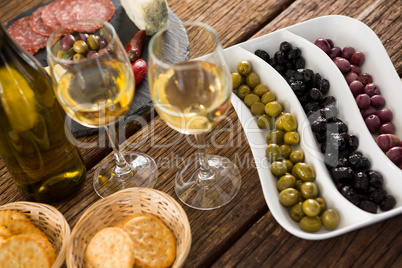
(140, 70)
(134, 47)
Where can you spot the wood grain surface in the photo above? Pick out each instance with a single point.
(244, 232)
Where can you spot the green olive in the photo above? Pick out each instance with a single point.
(309, 190)
(289, 196)
(272, 152)
(78, 56)
(296, 156)
(311, 207)
(310, 224)
(244, 67)
(60, 53)
(264, 122)
(268, 97)
(330, 219)
(93, 43)
(260, 90)
(243, 91)
(286, 181)
(303, 172)
(273, 108)
(257, 108)
(296, 212)
(80, 46)
(289, 122)
(285, 150)
(237, 80)
(252, 80)
(275, 136)
(279, 168)
(291, 138)
(288, 164)
(249, 99)
(322, 203)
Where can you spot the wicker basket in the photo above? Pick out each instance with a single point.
(114, 208)
(50, 221)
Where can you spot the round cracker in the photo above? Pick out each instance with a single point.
(110, 247)
(23, 251)
(155, 244)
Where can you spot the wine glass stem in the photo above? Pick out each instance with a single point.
(122, 167)
(206, 173)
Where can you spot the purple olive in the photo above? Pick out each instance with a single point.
(368, 111)
(347, 52)
(330, 42)
(350, 77)
(363, 101)
(83, 37)
(323, 44)
(342, 64)
(385, 115)
(373, 123)
(365, 78)
(395, 154)
(387, 141)
(372, 89)
(387, 128)
(357, 58)
(356, 87)
(356, 69)
(335, 52)
(378, 101)
(67, 42)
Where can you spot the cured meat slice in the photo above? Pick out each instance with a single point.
(37, 23)
(25, 36)
(90, 9)
(50, 13)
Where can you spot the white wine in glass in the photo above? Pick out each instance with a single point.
(191, 92)
(94, 83)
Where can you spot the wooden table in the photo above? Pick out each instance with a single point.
(244, 233)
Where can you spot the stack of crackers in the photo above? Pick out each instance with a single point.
(141, 240)
(22, 244)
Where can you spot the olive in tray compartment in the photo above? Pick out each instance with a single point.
(349, 169)
(367, 95)
(296, 180)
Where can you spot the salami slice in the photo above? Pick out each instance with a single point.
(25, 36)
(37, 23)
(90, 9)
(50, 13)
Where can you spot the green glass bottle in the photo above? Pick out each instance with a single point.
(43, 163)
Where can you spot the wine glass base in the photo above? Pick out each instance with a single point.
(212, 193)
(144, 174)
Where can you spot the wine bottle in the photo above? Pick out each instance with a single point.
(43, 163)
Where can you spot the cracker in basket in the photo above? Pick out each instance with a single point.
(155, 244)
(44, 242)
(23, 251)
(110, 247)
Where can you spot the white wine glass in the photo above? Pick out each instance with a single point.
(94, 83)
(191, 92)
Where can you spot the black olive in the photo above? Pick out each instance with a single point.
(263, 55)
(387, 203)
(368, 206)
(324, 86)
(344, 175)
(294, 53)
(280, 57)
(375, 177)
(315, 94)
(377, 195)
(328, 100)
(349, 193)
(361, 182)
(285, 46)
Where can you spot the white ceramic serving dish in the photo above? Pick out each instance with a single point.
(351, 217)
